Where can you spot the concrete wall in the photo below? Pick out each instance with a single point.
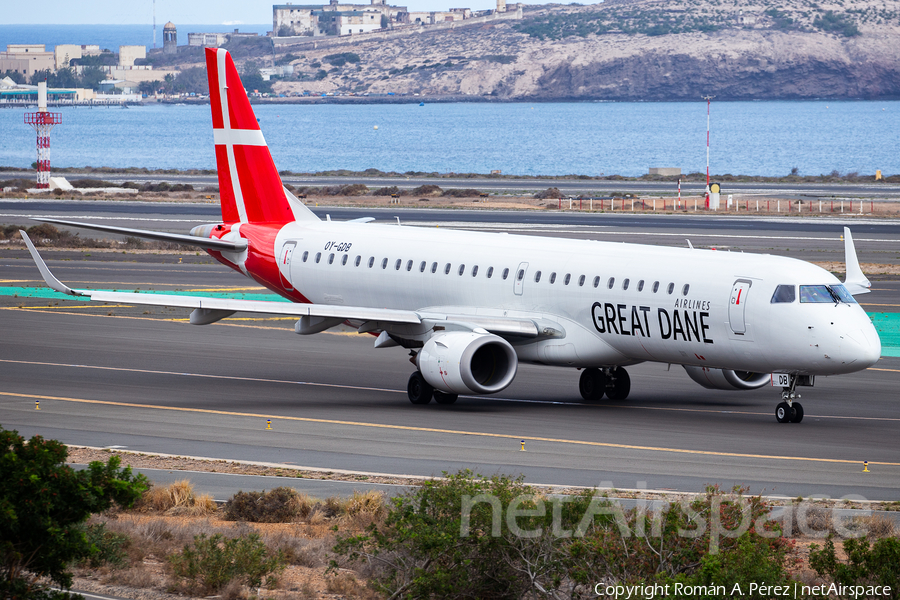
(128, 54)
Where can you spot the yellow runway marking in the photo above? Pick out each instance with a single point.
(446, 431)
(880, 369)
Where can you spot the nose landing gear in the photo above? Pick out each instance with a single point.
(789, 411)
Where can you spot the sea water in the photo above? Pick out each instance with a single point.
(589, 138)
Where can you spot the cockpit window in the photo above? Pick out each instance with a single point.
(842, 293)
(825, 293)
(784, 293)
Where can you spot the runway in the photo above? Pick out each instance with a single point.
(146, 380)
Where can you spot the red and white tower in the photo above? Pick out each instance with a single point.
(42, 122)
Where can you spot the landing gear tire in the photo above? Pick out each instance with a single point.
(798, 413)
(444, 398)
(618, 385)
(784, 413)
(419, 390)
(592, 384)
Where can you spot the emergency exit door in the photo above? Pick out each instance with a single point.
(736, 307)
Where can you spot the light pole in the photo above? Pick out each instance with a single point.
(708, 99)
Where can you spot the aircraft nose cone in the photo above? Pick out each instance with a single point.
(861, 348)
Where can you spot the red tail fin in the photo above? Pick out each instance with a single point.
(249, 185)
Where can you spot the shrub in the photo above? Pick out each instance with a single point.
(43, 503)
(212, 562)
(281, 505)
(107, 547)
(461, 193)
(341, 59)
(549, 193)
(387, 191)
(176, 498)
(427, 190)
(866, 564)
(458, 538)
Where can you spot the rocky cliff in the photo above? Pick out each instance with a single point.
(638, 50)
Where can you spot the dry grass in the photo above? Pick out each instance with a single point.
(176, 499)
(875, 526)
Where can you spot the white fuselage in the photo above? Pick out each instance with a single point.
(617, 303)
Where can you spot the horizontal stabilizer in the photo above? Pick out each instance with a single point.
(177, 238)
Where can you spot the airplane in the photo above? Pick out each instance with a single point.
(470, 306)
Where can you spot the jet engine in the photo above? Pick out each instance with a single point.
(467, 362)
(721, 379)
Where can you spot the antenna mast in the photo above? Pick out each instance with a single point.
(154, 24)
(708, 99)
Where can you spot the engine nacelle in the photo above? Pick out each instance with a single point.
(467, 362)
(722, 379)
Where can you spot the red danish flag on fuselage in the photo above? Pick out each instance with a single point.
(249, 185)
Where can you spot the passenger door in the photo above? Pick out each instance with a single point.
(284, 265)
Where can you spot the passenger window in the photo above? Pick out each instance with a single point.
(685, 289)
(641, 285)
(597, 281)
(318, 257)
(409, 265)
(447, 269)
(371, 261)
(581, 280)
(505, 273)
(422, 267)
(611, 282)
(474, 270)
(552, 277)
(434, 267)
(655, 286)
(625, 284)
(331, 258)
(397, 264)
(671, 288)
(490, 272)
(384, 264)
(358, 259)
(344, 260)
(784, 294)
(462, 269)
(521, 275)
(567, 279)
(537, 277)
(305, 255)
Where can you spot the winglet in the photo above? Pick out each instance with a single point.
(49, 279)
(855, 281)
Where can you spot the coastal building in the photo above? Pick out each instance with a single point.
(26, 59)
(337, 18)
(22, 94)
(214, 40)
(63, 53)
(334, 18)
(129, 54)
(170, 38)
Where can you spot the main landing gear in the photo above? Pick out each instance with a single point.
(421, 392)
(789, 411)
(614, 382)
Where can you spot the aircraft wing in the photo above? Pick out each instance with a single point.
(319, 316)
(178, 238)
(223, 307)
